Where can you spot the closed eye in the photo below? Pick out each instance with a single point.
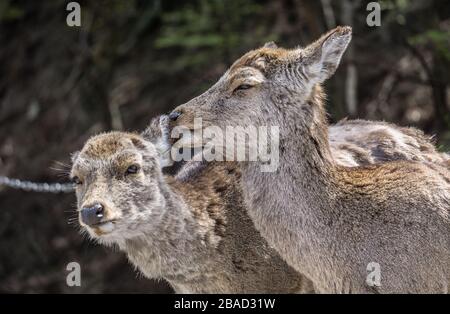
(243, 87)
(132, 169)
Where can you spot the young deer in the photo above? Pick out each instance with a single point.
(191, 230)
(328, 221)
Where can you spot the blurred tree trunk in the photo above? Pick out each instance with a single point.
(351, 80)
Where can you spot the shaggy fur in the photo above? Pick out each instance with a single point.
(191, 230)
(362, 142)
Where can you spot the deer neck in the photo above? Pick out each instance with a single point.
(299, 194)
(173, 247)
(306, 167)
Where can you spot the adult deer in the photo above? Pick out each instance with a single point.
(329, 221)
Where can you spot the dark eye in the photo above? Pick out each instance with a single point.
(243, 87)
(77, 181)
(132, 169)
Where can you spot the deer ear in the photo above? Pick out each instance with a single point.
(74, 156)
(322, 57)
(158, 133)
(270, 44)
(153, 131)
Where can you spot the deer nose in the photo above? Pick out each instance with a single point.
(174, 115)
(92, 215)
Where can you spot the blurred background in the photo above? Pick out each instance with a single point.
(131, 60)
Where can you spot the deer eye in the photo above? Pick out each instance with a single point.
(76, 180)
(132, 169)
(243, 87)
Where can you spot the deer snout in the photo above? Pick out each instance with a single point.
(92, 214)
(174, 115)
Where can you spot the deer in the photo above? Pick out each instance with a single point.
(363, 142)
(237, 262)
(329, 222)
(189, 229)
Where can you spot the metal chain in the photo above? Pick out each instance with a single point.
(36, 187)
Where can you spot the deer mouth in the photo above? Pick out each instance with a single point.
(191, 139)
(103, 227)
(101, 223)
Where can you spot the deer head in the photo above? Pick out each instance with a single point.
(264, 82)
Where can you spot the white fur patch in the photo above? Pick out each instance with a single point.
(162, 145)
(107, 227)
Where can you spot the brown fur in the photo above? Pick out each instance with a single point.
(328, 221)
(374, 141)
(195, 232)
